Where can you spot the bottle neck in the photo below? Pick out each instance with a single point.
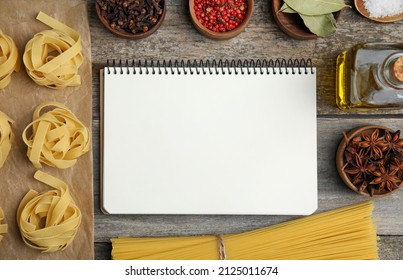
(392, 70)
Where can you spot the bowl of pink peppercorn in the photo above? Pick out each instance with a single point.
(220, 19)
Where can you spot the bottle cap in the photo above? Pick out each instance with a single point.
(398, 69)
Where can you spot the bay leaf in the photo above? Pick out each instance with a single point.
(287, 9)
(332, 19)
(316, 7)
(321, 25)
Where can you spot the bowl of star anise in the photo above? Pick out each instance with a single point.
(369, 160)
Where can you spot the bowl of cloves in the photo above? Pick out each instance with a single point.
(131, 19)
(369, 160)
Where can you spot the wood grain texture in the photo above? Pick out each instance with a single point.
(178, 39)
(332, 194)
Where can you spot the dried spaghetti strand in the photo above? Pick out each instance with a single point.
(6, 137)
(3, 227)
(58, 138)
(48, 221)
(52, 57)
(10, 61)
(344, 233)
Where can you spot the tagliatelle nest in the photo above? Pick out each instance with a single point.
(58, 138)
(52, 57)
(9, 59)
(3, 227)
(6, 136)
(61, 216)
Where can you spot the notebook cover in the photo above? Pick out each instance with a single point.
(209, 145)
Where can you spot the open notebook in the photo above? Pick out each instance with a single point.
(207, 139)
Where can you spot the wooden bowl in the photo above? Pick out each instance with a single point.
(359, 5)
(292, 24)
(221, 35)
(341, 160)
(124, 33)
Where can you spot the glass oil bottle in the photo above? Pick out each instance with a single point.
(370, 76)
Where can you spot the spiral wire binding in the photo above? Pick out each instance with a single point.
(233, 67)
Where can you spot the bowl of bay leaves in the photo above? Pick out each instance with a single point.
(308, 19)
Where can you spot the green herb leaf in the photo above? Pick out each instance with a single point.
(321, 25)
(332, 19)
(316, 7)
(287, 9)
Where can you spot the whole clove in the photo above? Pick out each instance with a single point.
(131, 16)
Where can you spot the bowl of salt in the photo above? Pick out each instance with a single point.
(380, 11)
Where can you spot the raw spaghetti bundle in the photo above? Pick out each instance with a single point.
(3, 227)
(52, 57)
(9, 59)
(344, 233)
(6, 136)
(58, 138)
(56, 207)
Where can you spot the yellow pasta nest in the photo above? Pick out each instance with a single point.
(3, 227)
(52, 57)
(48, 221)
(6, 136)
(9, 59)
(58, 138)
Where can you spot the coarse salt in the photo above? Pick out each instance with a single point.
(380, 9)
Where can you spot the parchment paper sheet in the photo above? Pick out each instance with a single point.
(18, 101)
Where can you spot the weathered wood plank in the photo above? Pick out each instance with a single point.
(103, 250)
(390, 248)
(178, 39)
(332, 194)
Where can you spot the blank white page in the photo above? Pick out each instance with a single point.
(209, 144)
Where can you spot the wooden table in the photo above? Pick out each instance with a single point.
(178, 39)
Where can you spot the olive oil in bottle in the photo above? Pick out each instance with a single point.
(370, 76)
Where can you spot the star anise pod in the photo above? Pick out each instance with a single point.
(373, 144)
(352, 148)
(360, 168)
(385, 159)
(393, 142)
(385, 178)
(397, 165)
